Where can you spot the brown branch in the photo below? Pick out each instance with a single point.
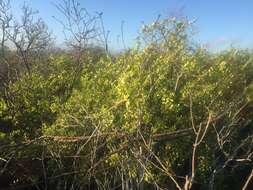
(248, 181)
(63, 139)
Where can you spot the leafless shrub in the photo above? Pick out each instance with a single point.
(29, 36)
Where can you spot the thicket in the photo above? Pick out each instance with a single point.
(165, 114)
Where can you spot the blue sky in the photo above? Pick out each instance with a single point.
(220, 23)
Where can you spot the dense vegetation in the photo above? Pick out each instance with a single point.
(165, 114)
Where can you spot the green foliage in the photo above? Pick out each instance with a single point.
(36, 99)
(164, 85)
